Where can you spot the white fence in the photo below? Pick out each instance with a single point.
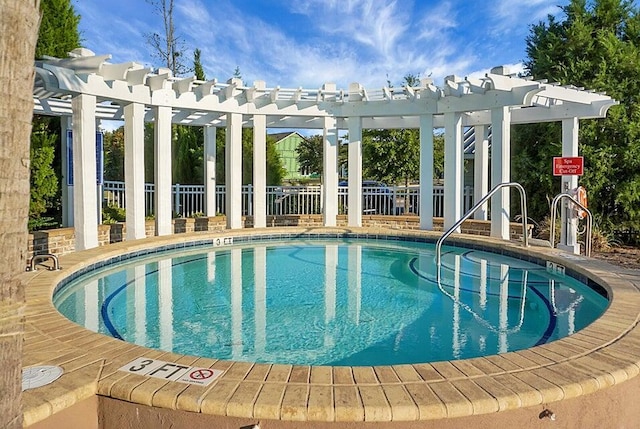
(188, 200)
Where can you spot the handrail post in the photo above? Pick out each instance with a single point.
(554, 209)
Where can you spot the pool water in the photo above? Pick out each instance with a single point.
(338, 302)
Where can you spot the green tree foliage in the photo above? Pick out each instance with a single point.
(392, 156)
(149, 153)
(275, 170)
(236, 73)
(309, 153)
(188, 155)
(198, 70)
(58, 34)
(44, 182)
(114, 155)
(597, 46)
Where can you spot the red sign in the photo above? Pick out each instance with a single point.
(568, 166)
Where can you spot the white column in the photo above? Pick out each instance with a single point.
(330, 171)
(259, 171)
(453, 173)
(67, 189)
(85, 213)
(426, 172)
(233, 170)
(210, 170)
(481, 169)
(569, 230)
(500, 171)
(134, 170)
(165, 303)
(354, 200)
(162, 161)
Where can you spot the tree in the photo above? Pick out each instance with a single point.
(236, 73)
(114, 155)
(168, 48)
(596, 46)
(19, 21)
(58, 34)
(198, 70)
(310, 154)
(275, 170)
(188, 155)
(392, 156)
(44, 182)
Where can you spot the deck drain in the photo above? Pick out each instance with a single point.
(37, 376)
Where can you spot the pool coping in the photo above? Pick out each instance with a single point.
(604, 354)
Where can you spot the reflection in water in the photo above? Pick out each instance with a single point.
(236, 303)
(165, 303)
(340, 304)
(260, 297)
(355, 283)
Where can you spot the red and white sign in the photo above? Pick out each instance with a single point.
(568, 166)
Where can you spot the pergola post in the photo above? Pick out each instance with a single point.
(453, 178)
(354, 200)
(500, 171)
(330, 171)
(210, 170)
(84, 172)
(67, 186)
(569, 230)
(134, 170)
(259, 171)
(162, 167)
(481, 169)
(426, 172)
(233, 171)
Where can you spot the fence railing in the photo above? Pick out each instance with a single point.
(188, 200)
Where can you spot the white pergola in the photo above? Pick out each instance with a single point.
(85, 88)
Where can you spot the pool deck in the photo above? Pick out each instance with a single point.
(604, 354)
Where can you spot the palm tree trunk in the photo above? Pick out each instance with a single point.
(19, 20)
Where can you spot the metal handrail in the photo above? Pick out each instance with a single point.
(554, 209)
(45, 256)
(523, 208)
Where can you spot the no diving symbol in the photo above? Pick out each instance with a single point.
(201, 374)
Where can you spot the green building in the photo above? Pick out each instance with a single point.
(286, 145)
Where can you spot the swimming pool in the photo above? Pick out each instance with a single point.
(339, 302)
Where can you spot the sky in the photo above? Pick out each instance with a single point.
(306, 43)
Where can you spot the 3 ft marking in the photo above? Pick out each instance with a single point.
(172, 371)
(223, 241)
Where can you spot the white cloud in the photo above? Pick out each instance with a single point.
(515, 16)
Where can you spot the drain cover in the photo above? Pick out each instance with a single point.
(36, 376)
